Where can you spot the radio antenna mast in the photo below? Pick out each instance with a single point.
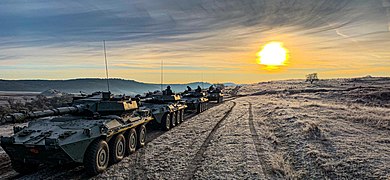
(105, 59)
(202, 81)
(162, 74)
(202, 73)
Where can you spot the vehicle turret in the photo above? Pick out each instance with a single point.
(196, 100)
(98, 103)
(162, 98)
(215, 95)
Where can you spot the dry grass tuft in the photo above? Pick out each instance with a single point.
(281, 167)
(313, 131)
(379, 122)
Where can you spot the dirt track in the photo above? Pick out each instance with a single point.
(307, 135)
(268, 137)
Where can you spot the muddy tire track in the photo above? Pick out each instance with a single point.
(256, 141)
(266, 150)
(197, 161)
(139, 158)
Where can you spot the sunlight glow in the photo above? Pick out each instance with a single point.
(272, 55)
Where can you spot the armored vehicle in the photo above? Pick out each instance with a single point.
(96, 130)
(215, 95)
(167, 109)
(196, 101)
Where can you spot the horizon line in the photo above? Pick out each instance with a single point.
(91, 78)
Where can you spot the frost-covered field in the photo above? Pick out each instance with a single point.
(333, 129)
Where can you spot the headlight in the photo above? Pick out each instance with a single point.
(103, 129)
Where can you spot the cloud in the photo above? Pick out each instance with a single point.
(220, 34)
(153, 20)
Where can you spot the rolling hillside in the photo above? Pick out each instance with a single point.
(89, 85)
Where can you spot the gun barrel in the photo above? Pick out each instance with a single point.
(22, 117)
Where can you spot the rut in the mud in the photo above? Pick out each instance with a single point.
(198, 159)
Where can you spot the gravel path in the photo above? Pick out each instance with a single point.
(232, 153)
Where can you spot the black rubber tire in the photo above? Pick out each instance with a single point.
(166, 122)
(173, 119)
(24, 168)
(96, 157)
(117, 148)
(131, 141)
(141, 136)
(198, 109)
(181, 116)
(178, 118)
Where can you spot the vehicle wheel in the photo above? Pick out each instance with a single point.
(173, 119)
(117, 148)
(178, 118)
(132, 141)
(181, 116)
(141, 136)
(24, 168)
(199, 108)
(166, 122)
(96, 157)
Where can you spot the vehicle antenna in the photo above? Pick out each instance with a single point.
(202, 73)
(162, 74)
(105, 59)
(202, 81)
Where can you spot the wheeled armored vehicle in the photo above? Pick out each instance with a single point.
(196, 101)
(215, 95)
(167, 110)
(96, 130)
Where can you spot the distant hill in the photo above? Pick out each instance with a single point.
(117, 86)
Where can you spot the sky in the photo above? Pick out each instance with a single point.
(197, 40)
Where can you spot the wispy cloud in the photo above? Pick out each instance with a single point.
(213, 36)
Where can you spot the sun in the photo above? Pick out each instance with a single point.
(273, 54)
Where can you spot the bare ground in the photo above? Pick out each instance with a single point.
(336, 129)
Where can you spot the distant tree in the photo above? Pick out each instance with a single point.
(312, 77)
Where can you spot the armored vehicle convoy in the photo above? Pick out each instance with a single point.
(97, 130)
(167, 108)
(196, 100)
